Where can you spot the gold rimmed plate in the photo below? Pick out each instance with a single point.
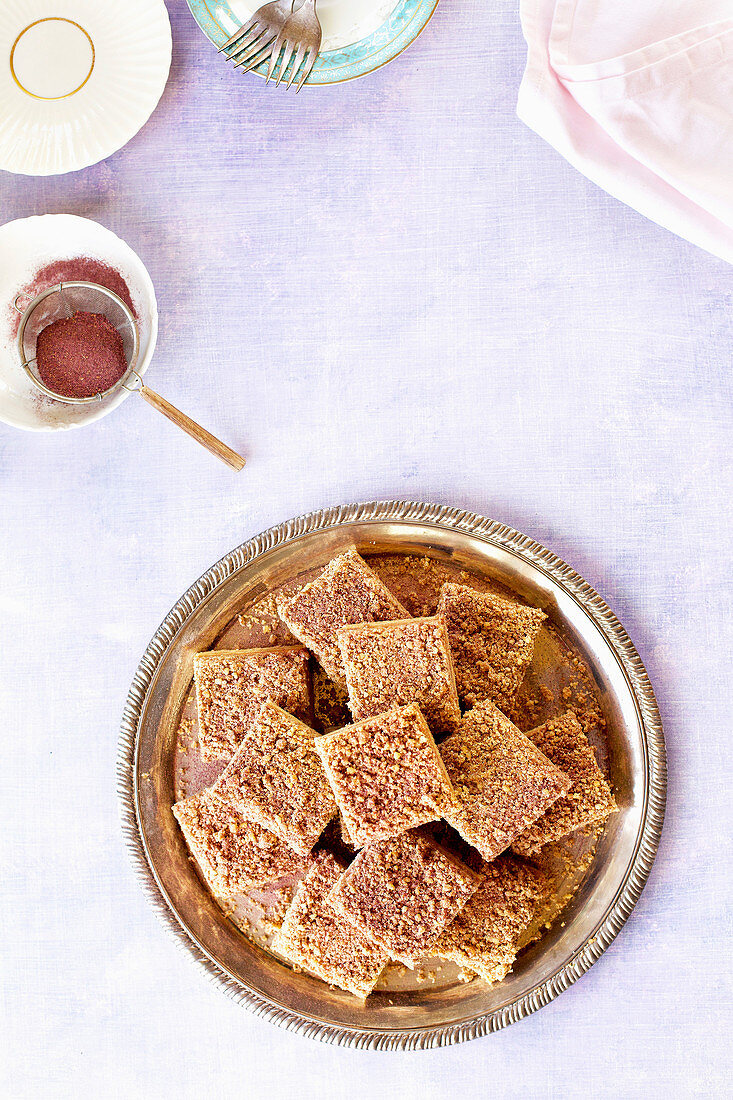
(606, 890)
(78, 79)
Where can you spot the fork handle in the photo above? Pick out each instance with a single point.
(206, 439)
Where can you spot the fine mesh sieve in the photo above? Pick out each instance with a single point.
(62, 301)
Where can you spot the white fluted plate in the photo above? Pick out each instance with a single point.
(78, 79)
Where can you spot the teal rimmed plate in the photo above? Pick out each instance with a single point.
(359, 36)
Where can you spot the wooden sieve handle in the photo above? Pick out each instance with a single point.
(206, 439)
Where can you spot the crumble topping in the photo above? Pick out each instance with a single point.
(502, 781)
(492, 641)
(231, 686)
(234, 855)
(485, 935)
(347, 591)
(391, 664)
(386, 774)
(403, 892)
(276, 779)
(315, 937)
(588, 801)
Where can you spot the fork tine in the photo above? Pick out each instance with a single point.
(239, 33)
(308, 63)
(254, 43)
(246, 42)
(287, 54)
(275, 54)
(264, 41)
(296, 63)
(258, 58)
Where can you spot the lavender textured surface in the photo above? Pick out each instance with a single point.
(384, 289)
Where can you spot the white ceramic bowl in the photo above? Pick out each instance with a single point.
(28, 245)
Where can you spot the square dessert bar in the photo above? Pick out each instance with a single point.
(390, 664)
(589, 800)
(347, 591)
(403, 892)
(317, 939)
(492, 641)
(276, 779)
(485, 935)
(234, 855)
(502, 781)
(386, 774)
(231, 686)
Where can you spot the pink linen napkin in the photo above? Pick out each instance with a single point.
(638, 96)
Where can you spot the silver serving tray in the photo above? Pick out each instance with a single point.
(609, 889)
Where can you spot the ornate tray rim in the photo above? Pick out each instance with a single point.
(508, 539)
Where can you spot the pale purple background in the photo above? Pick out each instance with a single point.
(385, 289)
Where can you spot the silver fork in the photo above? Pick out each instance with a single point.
(300, 35)
(253, 42)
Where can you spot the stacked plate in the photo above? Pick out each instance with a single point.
(359, 36)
